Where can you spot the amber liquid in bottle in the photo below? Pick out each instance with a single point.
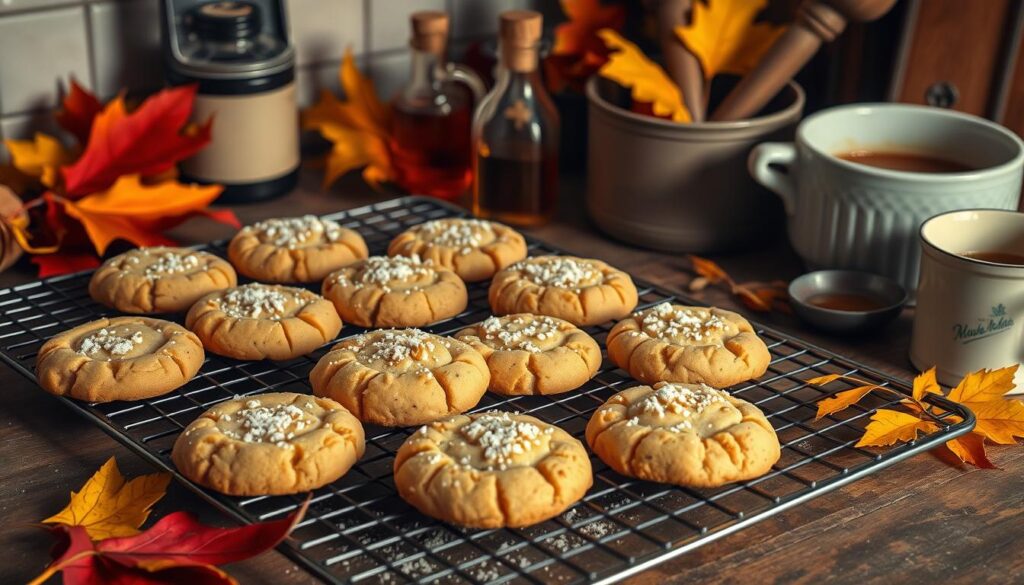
(518, 191)
(431, 149)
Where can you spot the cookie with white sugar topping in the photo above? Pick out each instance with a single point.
(685, 434)
(294, 249)
(401, 377)
(269, 444)
(492, 469)
(533, 354)
(395, 291)
(473, 248)
(159, 279)
(124, 358)
(261, 321)
(582, 291)
(692, 345)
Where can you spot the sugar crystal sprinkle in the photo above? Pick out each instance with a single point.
(665, 321)
(560, 271)
(110, 341)
(518, 332)
(502, 437)
(255, 301)
(464, 234)
(171, 263)
(276, 424)
(676, 399)
(294, 232)
(397, 345)
(385, 270)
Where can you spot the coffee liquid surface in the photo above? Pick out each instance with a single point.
(904, 161)
(854, 302)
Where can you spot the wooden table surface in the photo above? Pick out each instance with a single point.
(918, 521)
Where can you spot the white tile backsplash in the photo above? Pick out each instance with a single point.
(389, 72)
(12, 5)
(38, 52)
(309, 80)
(389, 21)
(323, 29)
(479, 18)
(126, 46)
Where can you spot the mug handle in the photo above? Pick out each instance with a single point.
(759, 164)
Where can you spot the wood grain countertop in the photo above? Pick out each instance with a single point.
(918, 521)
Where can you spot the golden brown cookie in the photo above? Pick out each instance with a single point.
(582, 291)
(492, 469)
(474, 248)
(675, 343)
(684, 434)
(270, 444)
(533, 354)
(159, 279)
(398, 291)
(261, 321)
(294, 249)
(401, 377)
(124, 358)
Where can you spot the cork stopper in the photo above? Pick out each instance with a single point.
(520, 38)
(429, 31)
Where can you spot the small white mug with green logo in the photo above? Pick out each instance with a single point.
(970, 296)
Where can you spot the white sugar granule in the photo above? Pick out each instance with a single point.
(502, 437)
(384, 270)
(401, 344)
(560, 272)
(268, 424)
(519, 332)
(676, 399)
(464, 234)
(254, 301)
(665, 321)
(171, 263)
(294, 232)
(108, 340)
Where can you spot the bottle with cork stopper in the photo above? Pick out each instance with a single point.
(515, 132)
(431, 125)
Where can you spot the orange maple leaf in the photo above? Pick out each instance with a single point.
(970, 448)
(724, 37)
(647, 81)
(358, 128)
(842, 400)
(925, 383)
(708, 269)
(130, 210)
(40, 157)
(891, 426)
(577, 51)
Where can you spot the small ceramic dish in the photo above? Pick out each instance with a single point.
(846, 301)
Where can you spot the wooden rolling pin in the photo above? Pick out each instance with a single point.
(680, 63)
(817, 21)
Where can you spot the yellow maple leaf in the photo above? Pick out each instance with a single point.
(970, 448)
(1000, 421)
(358, 128)
(925, 383)
(826, 379)
(984, 385)
(109, 507)
(724, 37)
(647, 81)
(890, 426)
(842, 400)
(39, 157)
(131, 209)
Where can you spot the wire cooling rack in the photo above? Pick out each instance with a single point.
(358, 529)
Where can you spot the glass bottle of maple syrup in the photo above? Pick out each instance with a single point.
(515, 132)
(431, 125)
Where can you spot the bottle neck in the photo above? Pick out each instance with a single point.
(519, 59)
(427, 69)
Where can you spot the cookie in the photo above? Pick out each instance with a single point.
(270, 444)
(492, 469)
(675, 343)
(294, 249)
(474, 248)
(261, 321)
(533, 354)
(684, 434)
(401, 377)
(582, 291)
(159, 279)
(399, 291)
(124, 358)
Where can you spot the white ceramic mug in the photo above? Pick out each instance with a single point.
(970, 313)
(844, 214)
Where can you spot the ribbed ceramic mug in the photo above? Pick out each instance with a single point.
(970, 312)
(844, 214)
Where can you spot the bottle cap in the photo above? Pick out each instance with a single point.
(429, 31)
(520, 32)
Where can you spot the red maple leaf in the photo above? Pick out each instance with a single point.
(80, 108)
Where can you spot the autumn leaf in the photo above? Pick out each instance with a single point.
(58, 263)
(723, 36)
(842, 400)
(1000, 421)
(970, 448)
(148, 141)
(984, 385)
(708, 269)
(39, 158)
(130, 210)
(925, 383)
(78, 111)
(577, 51)
(358, 128)
(826, 379)
(648, 82)
(107, 506)
(891, 426)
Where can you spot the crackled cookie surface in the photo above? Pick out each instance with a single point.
(260, 321)
(582, 291)
(533, 354)
(159, 279)
(269, 444)
(684, 434)
(294, 249)
(395, 291)
(474, 248)
(124, 358)
(401, 377)
(676, 343)
(492, 469)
